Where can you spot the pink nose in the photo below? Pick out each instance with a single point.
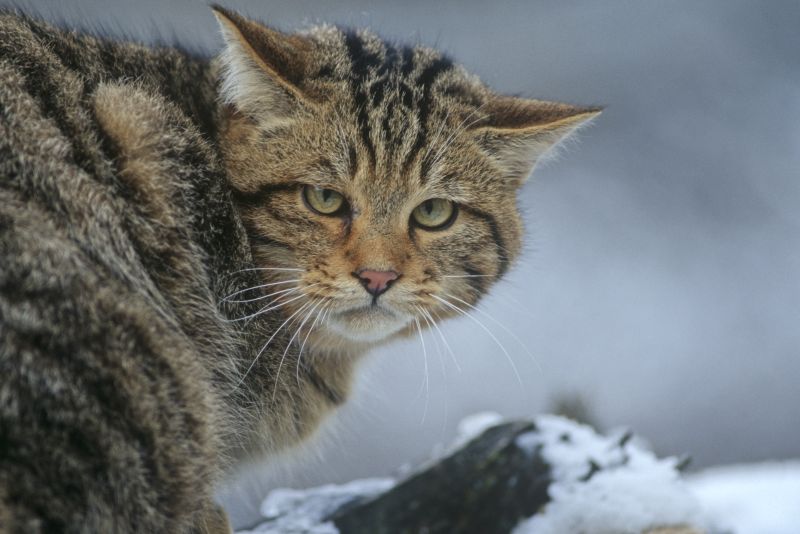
(376, 282)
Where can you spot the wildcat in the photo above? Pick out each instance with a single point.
(196, 252)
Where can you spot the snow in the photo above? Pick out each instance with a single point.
(292, 511)
(751, 499)
(601, 485)
(628, 490)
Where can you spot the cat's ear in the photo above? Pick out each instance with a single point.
(517, 132)
(262, 68)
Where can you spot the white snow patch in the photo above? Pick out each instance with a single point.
(291, 511)
(751, 499)
(617, 502)
(628, 489)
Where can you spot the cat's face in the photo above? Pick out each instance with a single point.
(378, 184)
(379, 243)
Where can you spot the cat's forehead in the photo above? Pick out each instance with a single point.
(404, 105)
(382, 74)
(367, 55)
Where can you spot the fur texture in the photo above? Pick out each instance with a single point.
(169, 303)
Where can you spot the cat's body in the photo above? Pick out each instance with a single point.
(108, 319)
(140, 202)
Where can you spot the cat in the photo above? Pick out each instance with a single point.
(196, 252)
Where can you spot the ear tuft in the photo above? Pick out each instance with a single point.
(263, 69)
(518, 132)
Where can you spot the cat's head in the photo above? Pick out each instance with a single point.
(378, 183)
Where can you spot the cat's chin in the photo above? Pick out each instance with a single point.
(369, 324)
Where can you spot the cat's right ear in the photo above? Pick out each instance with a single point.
(517, 132)
(262, 68)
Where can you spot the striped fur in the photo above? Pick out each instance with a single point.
(144, 192)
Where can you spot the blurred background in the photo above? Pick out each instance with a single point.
(660, 287)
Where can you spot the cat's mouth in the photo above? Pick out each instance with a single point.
(372, 309)
(368, 323)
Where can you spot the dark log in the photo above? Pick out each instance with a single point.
(485, 487)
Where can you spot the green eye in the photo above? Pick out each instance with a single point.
(323, 201)
(434, 214)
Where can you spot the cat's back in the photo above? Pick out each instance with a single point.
(106, 420)
(105, 149)
(52, 56)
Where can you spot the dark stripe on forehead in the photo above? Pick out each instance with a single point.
(395, 62)
(352, 160)
(407, 66)
(491, 222)
(378, 84)
(426, 80)
(439, 66)
(360, 62)
(360, 59)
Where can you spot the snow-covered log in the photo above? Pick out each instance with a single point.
(545, 476)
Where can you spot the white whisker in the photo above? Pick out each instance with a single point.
(326, 319)
(262, 297)
(274, 304)
(270, 306)
(485, 329)
(259, 269)
(515, 304)
(441, 335)
(224, 299)
(315, 304)
(431, 323)
(501, 325)
(427, 378)
(267, 269)
(468, 276)
(264, 347)
(430, 320)
(435, 341)
(324, 308)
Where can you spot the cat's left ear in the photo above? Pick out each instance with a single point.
(517, 132)
(263, 69)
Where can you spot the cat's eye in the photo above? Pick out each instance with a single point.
(434, 214)
(324, 201)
